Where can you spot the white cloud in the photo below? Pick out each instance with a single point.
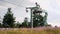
(2, 7)
(55, 22)
(58, 2)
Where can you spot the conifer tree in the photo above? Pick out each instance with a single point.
(8, 20)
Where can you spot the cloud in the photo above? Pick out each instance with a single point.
(55, 22)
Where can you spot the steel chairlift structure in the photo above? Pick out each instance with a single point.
(36, 11)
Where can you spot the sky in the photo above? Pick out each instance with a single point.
(18, 8)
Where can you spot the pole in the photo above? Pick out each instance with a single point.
(31, 19)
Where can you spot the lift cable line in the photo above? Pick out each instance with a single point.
(37, 9)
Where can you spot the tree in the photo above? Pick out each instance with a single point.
(25, 23)
(39, 19)
(45, 19)
(0, 25)
(17, 25)
(8, 20)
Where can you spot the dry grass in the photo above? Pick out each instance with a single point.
(41, 30)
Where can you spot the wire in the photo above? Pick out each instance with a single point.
(14, 4)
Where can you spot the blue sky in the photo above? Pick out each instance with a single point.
(18, 8)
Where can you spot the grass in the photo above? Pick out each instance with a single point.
(31, 31)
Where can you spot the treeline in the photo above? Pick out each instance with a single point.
(9, 21)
